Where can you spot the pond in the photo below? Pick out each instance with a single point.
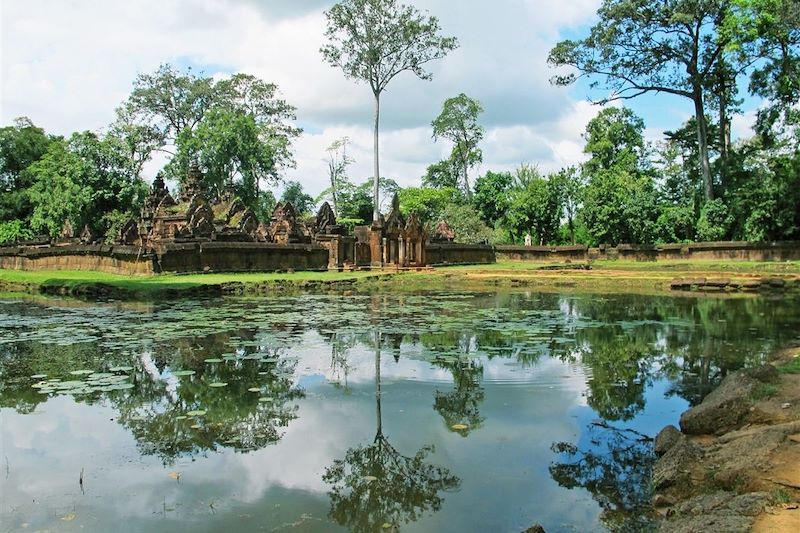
(437, 411)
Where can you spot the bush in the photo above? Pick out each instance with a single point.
(675, 224)
(715, 221)
(467, 224)
(13, 231)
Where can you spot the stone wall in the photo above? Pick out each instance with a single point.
(455, 254)
(116, 259)
(240, 257)
(720, 251)
(172, 258)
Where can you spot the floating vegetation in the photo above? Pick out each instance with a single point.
(213, 360)
(196, 413)
(183, 373)
(218, 384)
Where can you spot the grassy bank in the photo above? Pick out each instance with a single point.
(606, 276)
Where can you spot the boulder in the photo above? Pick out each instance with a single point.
(723, 410)
(674, 469)
(666, 439)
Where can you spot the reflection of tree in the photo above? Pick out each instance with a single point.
(616, 471)
(375, 485)
(157, 414)
(461, 406)
(620, 369)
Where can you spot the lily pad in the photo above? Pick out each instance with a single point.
(181, 373)
(217, 384)
(265, 399)
(213, 360)
(121, 369)
(82, 372)
(459, 427)
(38, 376)
(254, 389)
(199, 412)
(122, 386)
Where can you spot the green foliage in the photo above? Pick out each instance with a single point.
(535, 206)
(426, 203)
(237, 129)
(81, 180)
(715, 221)
(458, 122)
(792, 367)
(491, 197)
(467, 225)
(441, 175)
(676, 223)
(12, 231)
(620, 207)
(614, 139)
(20, 145)
(293, 192)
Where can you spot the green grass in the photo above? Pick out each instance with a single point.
(792, 367)
(763, 391)
(146, 284)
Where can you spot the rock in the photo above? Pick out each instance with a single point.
(775, 283)
(674, 468)
(763, 373)
(721, 282)
(718, 512)
(723, 410)
(659, 500)
(752, 285)
(666, 439)
(786, 405)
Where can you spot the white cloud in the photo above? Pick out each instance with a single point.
(67, 65)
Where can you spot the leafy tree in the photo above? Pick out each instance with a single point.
(644, 46)
(442, 175)
(614, 138)
(458, 122)
(467, 224)
(20, 145)
(620, 207)
(302, 202)
(569, 183)
(535, 206)
(770, 31)
(83, 180)
(491, 196)
(237, 129)
(426, 203)
(338, 161)
(715, 221)
(12, 231)
(374, 41)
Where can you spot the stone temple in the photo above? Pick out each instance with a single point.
(194, 233)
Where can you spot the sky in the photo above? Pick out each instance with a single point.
(68, 64)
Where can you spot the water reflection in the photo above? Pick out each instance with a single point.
(237, 375)
(375, 487)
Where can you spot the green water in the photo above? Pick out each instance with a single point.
(440, 411)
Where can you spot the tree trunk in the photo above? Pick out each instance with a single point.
(702, 143)
(376, 213)
(378, 383)
(466, 180)
(724, 128)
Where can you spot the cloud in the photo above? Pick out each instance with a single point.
(68, 65)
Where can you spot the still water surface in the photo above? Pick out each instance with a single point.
(441, 411)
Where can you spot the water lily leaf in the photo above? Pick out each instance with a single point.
(38, 376)
(218, 384)
(459, 427)
(199, 412)
(214, 360)
(369, 479)
(254, 389)
(181, 373)
(181, 417)
(121, 369)
(122, 386)
(196, 426)
(81, 372)
(265, 399)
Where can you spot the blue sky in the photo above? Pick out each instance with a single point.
(67, 65)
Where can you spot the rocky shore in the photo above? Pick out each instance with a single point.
(734, 464)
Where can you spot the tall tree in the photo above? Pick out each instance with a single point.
(652, 46)
(374, 41)
(443, 174)
(458, 122)
(338, 161)
(491, 195)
